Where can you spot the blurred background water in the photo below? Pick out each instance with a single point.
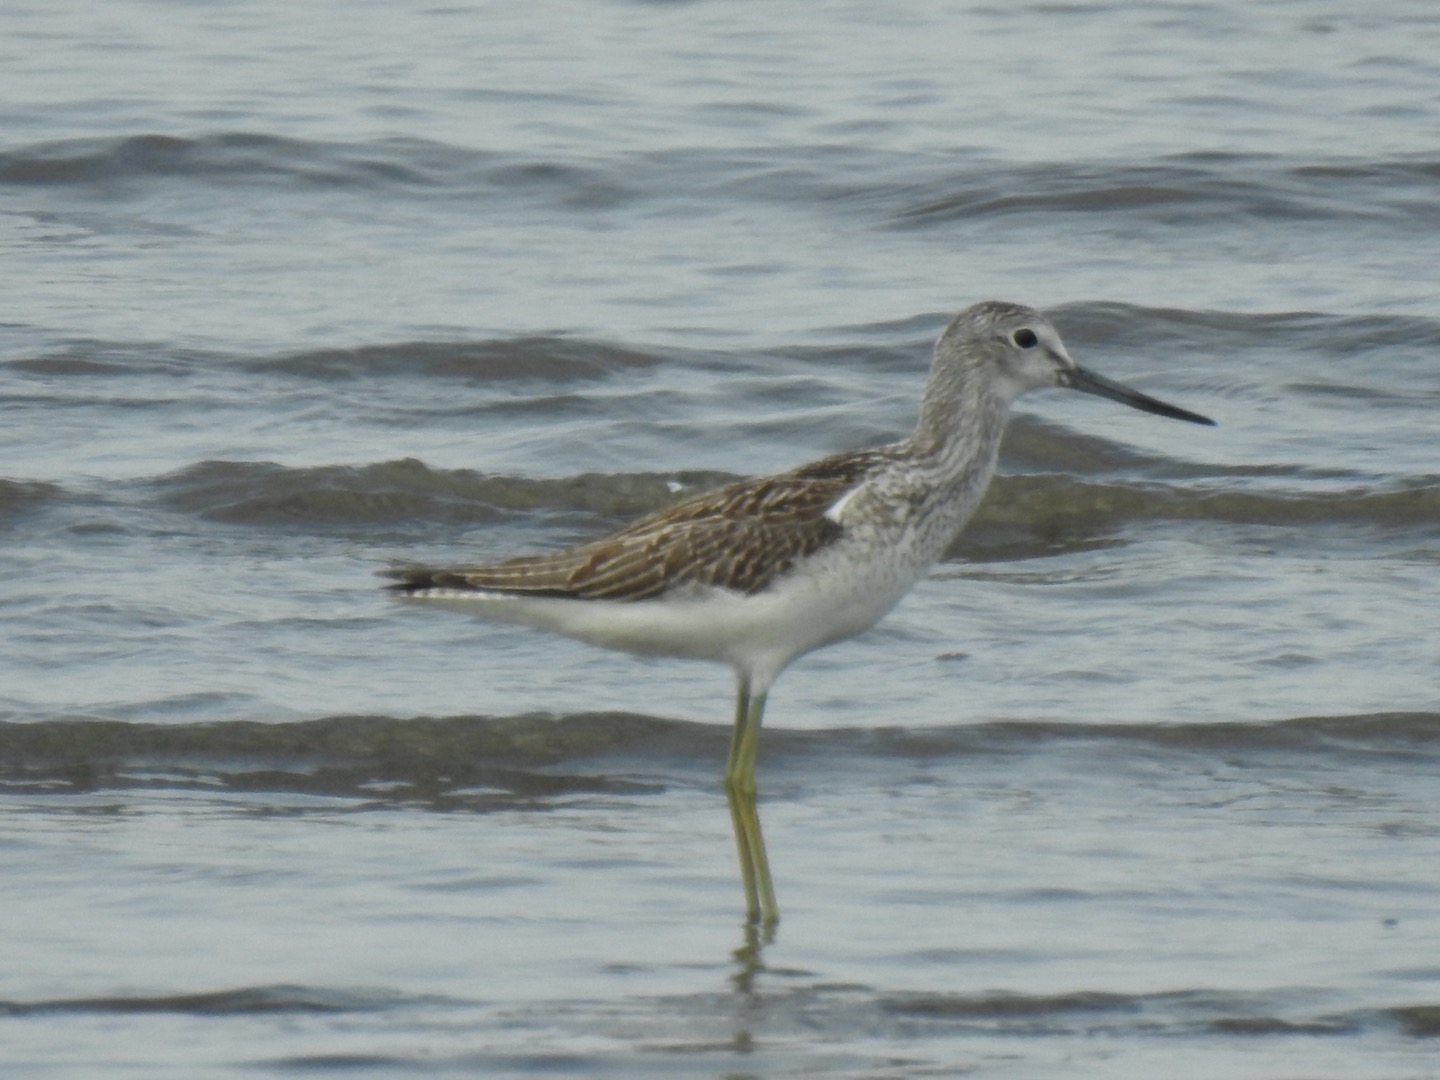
(1138, 782)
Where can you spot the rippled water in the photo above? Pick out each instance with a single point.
(1138, 782)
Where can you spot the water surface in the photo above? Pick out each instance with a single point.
(1138, 782)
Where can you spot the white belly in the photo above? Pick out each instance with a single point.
(835, 595)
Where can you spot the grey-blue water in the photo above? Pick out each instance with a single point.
(1140, 782)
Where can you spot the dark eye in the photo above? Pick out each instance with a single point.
(1025, 338)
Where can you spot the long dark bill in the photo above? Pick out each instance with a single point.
(1087, 382)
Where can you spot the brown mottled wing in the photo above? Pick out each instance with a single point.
(738, 537)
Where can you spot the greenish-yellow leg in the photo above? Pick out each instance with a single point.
(760, 905)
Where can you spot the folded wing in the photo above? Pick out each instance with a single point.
(739, 537)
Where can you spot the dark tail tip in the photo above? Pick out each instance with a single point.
(413, 579)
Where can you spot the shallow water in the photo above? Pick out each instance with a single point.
(1138, 782)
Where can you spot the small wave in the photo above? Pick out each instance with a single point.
(20, 497)
(1198, 1012)
(1036, 510)
(408, 491)
(244, 1001)
(1183, 1012)
(1107, 1014)
(97, 359)
(1182, 188)
(1095, 324)
(238, 156)
(479, 763)
(546, 357)
(1420, 1021)
(1090, 327)
(393, 166)
(1379, 732)
(483, 762)
(1061, 506)
(997, 1005)
(899, 191)
(265, 493)
(1024, 514)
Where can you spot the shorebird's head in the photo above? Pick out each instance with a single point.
(1012, 349)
